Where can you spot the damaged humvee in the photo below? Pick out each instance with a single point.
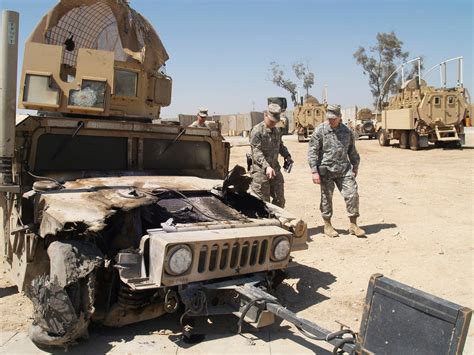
(116, 219)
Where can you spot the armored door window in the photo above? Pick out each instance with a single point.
(451, 100)
(126, 83)
(40, 89)
(91, 94)
(437, 100)
(317, 112)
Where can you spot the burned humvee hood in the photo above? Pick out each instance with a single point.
(89, 202)
(109, 25)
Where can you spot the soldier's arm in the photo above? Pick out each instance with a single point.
(314, 147)
(354, 156)
(283, 149)
(257, 154)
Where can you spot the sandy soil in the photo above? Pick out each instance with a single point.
(417, 209)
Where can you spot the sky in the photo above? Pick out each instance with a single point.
(220, 51)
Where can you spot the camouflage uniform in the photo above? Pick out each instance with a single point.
(335, 151)
(266, 144)
(198, 125)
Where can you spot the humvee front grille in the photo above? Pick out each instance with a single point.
(218, 253)
(232, 255)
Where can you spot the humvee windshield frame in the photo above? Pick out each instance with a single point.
(77, 148)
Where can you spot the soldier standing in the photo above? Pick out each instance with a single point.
(266, 144)
(201, 119)
(334, 160)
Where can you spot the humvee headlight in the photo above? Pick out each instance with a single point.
(178, 260)
(281, 248)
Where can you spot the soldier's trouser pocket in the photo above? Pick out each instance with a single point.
(260, 185)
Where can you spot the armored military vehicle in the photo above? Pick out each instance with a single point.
(420, 114)
(108, 217)
(364, 126)
(307, 116)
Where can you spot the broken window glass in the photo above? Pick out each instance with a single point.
(91, 94)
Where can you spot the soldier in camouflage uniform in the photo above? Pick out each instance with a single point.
(201, 119)
(334, 160)
(266, 144)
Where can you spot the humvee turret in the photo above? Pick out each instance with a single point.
(307, 116)
(420, 114)
(111, 218)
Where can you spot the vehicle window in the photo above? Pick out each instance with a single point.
(437, 100)
(61, 152)
(451, 100)
(91, 94)
(180, 155)
(40, 89)
(125, 82)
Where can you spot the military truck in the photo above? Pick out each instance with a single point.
(364, 126)
(108, 217)
(307, 116)
(420, 114)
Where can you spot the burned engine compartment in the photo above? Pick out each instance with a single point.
(124, 229)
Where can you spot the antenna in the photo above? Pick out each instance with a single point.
(442, 71)
(403, 76)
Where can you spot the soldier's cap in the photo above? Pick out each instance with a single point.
(202, 112)
(333, 111)
(274, 111)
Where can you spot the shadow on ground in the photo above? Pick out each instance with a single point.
(303, 293)
(375, 228)
(296, 297)
(214, 328)
(8, 291)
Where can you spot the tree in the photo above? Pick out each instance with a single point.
(302, 73)
(278, 78)
(382, 60)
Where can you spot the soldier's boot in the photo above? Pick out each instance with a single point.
(329, 229)
(355, 229)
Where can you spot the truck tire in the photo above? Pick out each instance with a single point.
(414, 141)
(383, 140)
(404, 140)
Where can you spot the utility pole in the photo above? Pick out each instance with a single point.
(8, 72)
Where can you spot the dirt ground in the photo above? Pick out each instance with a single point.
(417, 209)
